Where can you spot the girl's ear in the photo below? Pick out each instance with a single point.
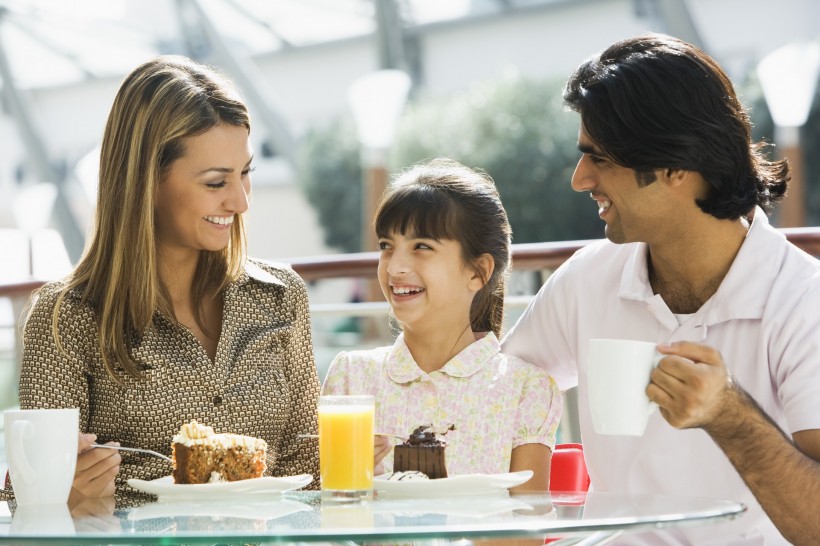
(483, 268)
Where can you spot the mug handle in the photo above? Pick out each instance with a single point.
(21, 430)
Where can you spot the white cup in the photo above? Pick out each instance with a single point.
(618, 373)
(41, 448)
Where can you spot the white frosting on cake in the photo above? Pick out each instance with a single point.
(407, 475)
(194, 433)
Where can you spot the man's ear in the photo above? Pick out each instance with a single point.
(689, 185)
(483, 268)
(675, 177)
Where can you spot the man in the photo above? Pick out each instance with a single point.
(692, 264)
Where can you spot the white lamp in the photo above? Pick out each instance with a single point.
(377, 100)
(788, 77)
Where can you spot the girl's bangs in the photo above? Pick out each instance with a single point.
(419, 212)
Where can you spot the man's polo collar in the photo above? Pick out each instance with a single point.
(741, 294)
(402, 368)
(745, 290)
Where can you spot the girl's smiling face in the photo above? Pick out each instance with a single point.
(426, 281)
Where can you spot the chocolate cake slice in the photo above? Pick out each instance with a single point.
(423, 451)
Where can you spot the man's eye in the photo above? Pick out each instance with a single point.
(596, 159)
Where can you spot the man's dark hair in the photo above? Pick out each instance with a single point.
(655, 102)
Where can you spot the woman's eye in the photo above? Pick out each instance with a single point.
(217, 185)
(423, 246)
(248, 171)
(383, 245)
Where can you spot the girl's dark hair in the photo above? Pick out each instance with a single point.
(656, 102)
(443, 199)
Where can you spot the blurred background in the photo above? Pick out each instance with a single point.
(345, 93)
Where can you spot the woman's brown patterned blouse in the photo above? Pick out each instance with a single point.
(262, 383)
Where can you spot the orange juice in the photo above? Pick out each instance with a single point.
(346, 442)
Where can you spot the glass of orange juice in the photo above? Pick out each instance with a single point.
(346, 446)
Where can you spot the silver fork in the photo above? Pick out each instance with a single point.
(134, 449)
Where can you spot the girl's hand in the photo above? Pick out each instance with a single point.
(381, 447)
(96, 468)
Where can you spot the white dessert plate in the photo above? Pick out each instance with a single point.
(464, 484)
(165, 488)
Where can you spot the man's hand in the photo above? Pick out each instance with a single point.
(693, 389)
(690, 385)
(96, 468)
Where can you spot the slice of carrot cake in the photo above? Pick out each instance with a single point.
(202, 456)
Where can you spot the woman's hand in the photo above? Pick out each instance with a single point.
(381, 447)
(96, 468)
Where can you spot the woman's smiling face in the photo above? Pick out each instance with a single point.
(204, 190)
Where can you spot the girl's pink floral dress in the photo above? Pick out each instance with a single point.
(497, 402)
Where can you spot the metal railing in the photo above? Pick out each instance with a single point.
(526, 256)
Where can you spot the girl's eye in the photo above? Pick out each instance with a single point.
(217, 185)
(423, 246)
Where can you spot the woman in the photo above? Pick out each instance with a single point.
(164, 319)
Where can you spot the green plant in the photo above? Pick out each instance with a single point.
(331, 176)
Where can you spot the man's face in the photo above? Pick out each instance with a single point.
(631, 211)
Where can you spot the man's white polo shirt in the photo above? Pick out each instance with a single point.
(765, 321)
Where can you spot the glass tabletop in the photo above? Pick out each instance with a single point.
(301, 516)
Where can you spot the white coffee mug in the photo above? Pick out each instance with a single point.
(618, 374)
(41, 448)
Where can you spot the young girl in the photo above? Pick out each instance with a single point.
(445, 251)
